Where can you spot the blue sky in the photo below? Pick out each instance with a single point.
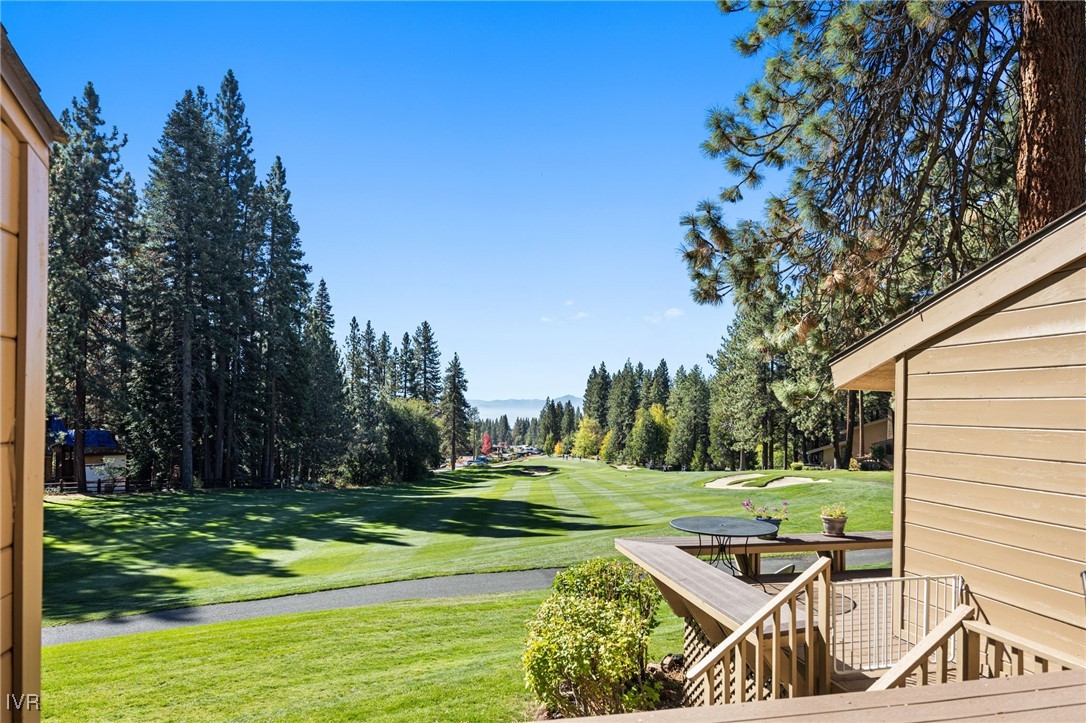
(512, 172)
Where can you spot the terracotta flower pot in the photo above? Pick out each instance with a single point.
(834, 526)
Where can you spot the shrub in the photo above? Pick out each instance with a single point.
(581, 652)
(796, 466)
(588, 643)
(853, 465)
(614, 581)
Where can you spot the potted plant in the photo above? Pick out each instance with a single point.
(773, 514)
(833, 519)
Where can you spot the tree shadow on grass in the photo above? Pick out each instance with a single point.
(112, 555)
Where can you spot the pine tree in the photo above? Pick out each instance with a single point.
(86, 225)
(521, 434)
(596, 394)
(623, 402)
(153, 423)
(903, 127)
(659, 387)
(355, 365)
(407, 369)
(284, 293)
(235, 264)
(324, 431)
(689, 437)
(454, 412)
(185, 195)
(428, 364)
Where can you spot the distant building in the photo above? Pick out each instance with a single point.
(878, 439)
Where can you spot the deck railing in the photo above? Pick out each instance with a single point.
(936, 644)
(995, 653)
(877, 621)
(986, 652)
(758, 663)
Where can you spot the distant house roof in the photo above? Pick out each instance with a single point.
(869, 363)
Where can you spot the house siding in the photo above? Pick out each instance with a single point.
(24, 154)
(994, 478)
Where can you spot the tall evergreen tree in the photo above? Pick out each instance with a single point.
(688, 444)
(284, 294)
(659, 387)
(185, 201)
(623, 402)
(596, 394)
(427, 363)
(235, 266)
(407, 369)
(454, 412)
(86, 224)
(324, 431)
(355, 366)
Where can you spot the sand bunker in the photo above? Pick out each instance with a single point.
(789, 481)
(733, 480)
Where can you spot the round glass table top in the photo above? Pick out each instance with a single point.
(724, 526)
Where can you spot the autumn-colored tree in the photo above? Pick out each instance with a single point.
(486, 443)
(559, 448)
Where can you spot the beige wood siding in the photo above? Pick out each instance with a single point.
(9, 285)
(23, 259)
(994, 484)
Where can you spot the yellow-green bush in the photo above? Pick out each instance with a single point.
(588, 643)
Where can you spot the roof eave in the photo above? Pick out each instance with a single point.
(869, 363)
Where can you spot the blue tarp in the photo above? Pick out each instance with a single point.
(91, 437)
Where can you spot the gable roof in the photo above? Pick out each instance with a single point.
(869, 363)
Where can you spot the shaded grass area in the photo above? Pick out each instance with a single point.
(113, 556)
(454, 659)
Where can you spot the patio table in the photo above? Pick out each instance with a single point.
(721, 531)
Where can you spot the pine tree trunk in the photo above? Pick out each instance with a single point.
(1051, 173)
(844, 455)
(452, 444)
(186, 401)
(220, 417)
(784, 444)
(79, 468)
(269, 437)
(860, 417)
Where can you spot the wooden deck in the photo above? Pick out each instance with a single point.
(1049, 697)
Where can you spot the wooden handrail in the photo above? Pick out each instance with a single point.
(1046, 656)
(934, 641)
(752, 633)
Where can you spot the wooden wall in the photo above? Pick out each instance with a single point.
(23, 258)
(992, 467)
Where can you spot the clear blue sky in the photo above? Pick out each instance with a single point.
(513, 173)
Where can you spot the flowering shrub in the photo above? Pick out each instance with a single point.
(773, 512)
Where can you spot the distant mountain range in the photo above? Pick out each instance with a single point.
(513, 408)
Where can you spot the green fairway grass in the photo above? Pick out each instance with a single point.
(456, 659)
(110, 556)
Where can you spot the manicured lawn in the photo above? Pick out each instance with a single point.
(449, 660)
(112, 556)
